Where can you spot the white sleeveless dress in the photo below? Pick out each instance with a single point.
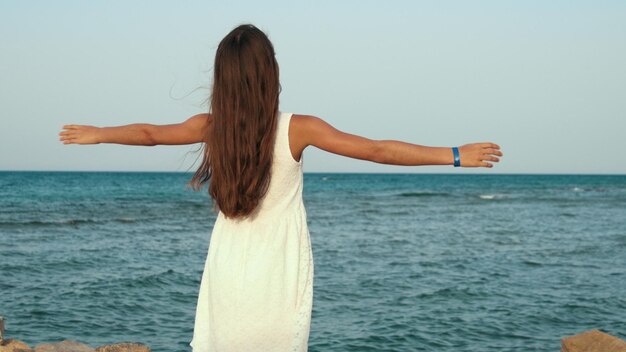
(256, 292)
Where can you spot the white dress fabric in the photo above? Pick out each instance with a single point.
(256, 292)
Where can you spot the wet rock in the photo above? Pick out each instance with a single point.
(124, 347)
(592, 341)
(12, 345)
(1, 329)
(64, 346)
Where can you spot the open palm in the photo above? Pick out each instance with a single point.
(79, 134)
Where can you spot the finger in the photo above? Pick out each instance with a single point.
(489, 145)
(492, 151)
(486, 164)
(68, 137)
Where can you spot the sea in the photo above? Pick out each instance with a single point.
(403, 262)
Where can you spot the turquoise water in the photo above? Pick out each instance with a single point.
(402, 262)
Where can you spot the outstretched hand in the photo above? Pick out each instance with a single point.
(79, 134)
(478, 154)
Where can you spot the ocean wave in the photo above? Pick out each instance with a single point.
(126, 220)
(532, 263)
(423, 194)
(64, 222)
(44, 223)
(157, 280)
(451, 293)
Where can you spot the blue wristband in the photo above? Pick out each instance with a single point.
(457, 157)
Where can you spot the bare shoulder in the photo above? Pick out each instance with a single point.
(300, 121)
(308, 120)
(199, 120)
(302, 129)
(199, 125)
(305, 125)
(312, 130)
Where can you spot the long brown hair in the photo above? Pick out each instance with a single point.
(237, 157)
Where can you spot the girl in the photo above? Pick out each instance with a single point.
(257, 286)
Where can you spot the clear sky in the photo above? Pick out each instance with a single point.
(544, 79)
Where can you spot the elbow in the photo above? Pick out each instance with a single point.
(148, 137)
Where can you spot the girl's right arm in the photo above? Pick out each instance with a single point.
(314, 131)
(191, 131)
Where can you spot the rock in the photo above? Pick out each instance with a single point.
(1, 329)
(64, 346)
(592, 341)
(124, 347)
(12, 345)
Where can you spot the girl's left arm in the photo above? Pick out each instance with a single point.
(193, 130)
